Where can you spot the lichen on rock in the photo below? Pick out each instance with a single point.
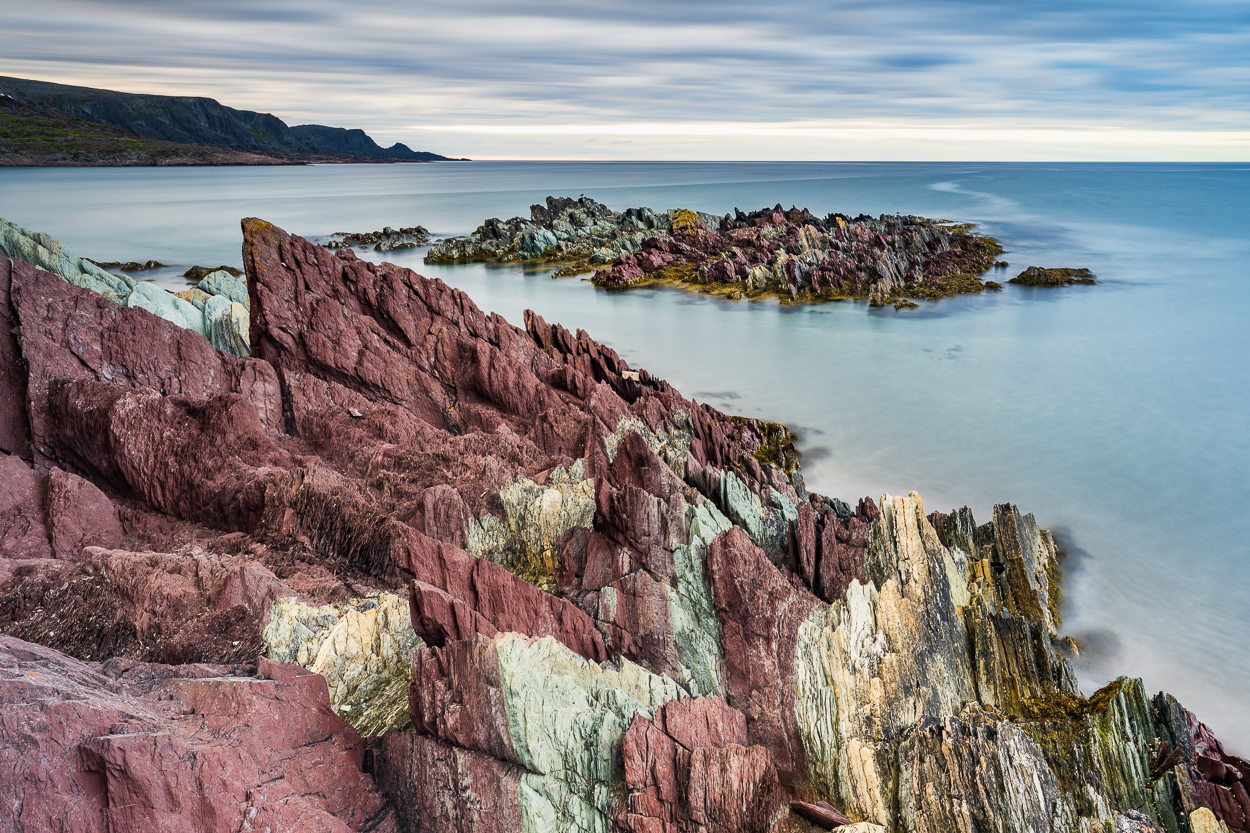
(535, 516)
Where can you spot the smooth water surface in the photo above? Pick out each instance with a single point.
(1115, 413)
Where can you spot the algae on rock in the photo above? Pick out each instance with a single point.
(922, 694)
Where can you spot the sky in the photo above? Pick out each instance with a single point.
(729, 80)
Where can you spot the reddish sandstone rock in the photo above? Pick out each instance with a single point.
(68, 333)
(760, 612)
(439, 787)
(494, 596)
(79, 515)
(690, 769)
(135, 747)
(23, 532)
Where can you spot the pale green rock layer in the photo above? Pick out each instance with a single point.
(363, 647)
(535, 516)
(691, 611)
(566, 718)
(223, 319)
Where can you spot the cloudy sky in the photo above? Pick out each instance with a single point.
(587, 79)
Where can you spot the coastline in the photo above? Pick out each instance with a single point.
(752, 528)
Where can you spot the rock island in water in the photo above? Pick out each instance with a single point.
(791, 254)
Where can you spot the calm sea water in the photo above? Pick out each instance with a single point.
(1116, 413)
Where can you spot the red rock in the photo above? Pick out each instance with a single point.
(690, 769)
(79, 515)
(492, 594)
(456, 695)
(135, 747)
(70, 333)
(820, 813)
(760, 613)
(439, 787)
(23, 532)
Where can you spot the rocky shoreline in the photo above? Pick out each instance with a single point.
(792, 255)
(499, 580)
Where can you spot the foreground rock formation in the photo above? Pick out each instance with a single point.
(624, 610)
(792, 254)
(216, 308)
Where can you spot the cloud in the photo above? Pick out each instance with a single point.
(387, 66)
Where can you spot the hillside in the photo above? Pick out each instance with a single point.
(32, 109)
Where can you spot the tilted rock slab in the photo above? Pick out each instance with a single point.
(129, 746)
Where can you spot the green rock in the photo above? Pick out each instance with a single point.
(222, 282)
(363, 647)
(226, 324)
(170, 307)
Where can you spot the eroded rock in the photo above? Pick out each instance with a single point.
(363, 648)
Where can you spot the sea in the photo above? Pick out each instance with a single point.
(1118, 414)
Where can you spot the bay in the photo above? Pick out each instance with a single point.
(1116, 413)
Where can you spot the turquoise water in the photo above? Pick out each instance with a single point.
(1116, 413)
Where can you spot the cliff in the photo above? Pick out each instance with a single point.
(192, 121)
(554, 593)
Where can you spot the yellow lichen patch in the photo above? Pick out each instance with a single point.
(686, 221)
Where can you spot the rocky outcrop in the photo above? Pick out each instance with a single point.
(802, 257)
(793, 254)
(1039, 276)
(219, 315)
(579, 231)
(132, 746)
(385, 240)
(627, 612)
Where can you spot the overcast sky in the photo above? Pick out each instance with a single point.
(786, 79)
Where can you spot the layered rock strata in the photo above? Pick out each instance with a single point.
(627, 612)
(792, 254)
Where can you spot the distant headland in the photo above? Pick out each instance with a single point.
(45, 124)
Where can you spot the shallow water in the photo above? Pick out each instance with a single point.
(1115, 413)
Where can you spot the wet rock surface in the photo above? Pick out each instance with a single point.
(601, 606)
(1039, 276)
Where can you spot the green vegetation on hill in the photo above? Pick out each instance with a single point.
(31, 135)
(188, 121)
